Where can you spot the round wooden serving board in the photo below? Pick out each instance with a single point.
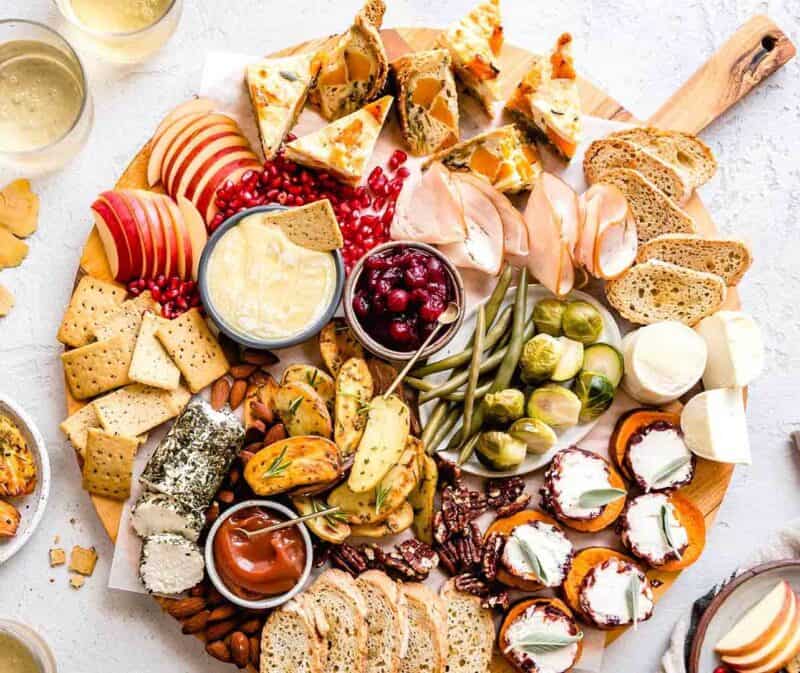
(755, 51)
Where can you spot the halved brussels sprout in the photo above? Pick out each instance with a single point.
(500, 451)
(504, 406)
(547, 315)
(606, 360)
(595, 392)
(556, 406)
(540, 356)
(582, 322)
(538, 437)
(570, 361)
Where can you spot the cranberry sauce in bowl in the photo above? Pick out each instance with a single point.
(395, 295)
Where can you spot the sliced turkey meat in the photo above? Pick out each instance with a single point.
(608, 242)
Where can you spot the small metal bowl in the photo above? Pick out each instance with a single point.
(270, 601)
(378, 348)
(247, 340)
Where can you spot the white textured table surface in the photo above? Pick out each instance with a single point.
(640, 52)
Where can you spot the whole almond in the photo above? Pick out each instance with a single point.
(233, 476)
(255, 651)
(275, 434)
(198, 590)
(214, 597)
(240, 649)
(182, 608)
(251, 626)
(222, 612)
(262, 412)
(220, 393)
(219, 630)
(246, 454)
(238, 391)
(242, 371)
(259, 378)
(255, 432)
(260, 358)
(196, 623)
(212, 513)
(226, 497)
(219, 650)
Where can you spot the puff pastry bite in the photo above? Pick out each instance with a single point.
(501, 156)
(353, 65)
(547, 99)
(278, 88)
(344, 146)
(474, 44)
(427, 100)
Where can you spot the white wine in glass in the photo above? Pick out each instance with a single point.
(118, 16)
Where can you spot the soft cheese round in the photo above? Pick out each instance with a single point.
(653, 450)
(644, 532)
(552, 547)
(572, 473)
(542, 619)
(605, 593)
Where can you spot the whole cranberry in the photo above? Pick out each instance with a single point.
(431, 309)
(401, 331)
(438, 290)
(415, 276)
(420, 295)
(383, 287)
(361, 305)
(397, 300)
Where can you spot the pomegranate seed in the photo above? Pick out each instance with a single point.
(403, 172)
(156, 295)
(399, 157)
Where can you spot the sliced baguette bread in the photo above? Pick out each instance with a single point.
(336, 596)
(657, 290)
(794, 665)
(726, 257)
(387, 624)
(470, 631)
(655, 213)
(427, 631)
(603, 155)
(686, 153)
(292, 640)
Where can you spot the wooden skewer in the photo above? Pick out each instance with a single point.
(250, 534)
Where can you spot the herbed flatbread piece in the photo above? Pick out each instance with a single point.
(137, 408)
(195, 350)
(91, 300)
(98, 367)
(151, 364)
(312, 226)
(108, 468)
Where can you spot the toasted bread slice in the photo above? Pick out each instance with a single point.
(427, 100)
(686, 153)
(727, 257)
(427, 631)
(387, 622)
(656, 291)
(609, 153)
(336, 595)
(470, 631)
(292, 640)
(655, 213)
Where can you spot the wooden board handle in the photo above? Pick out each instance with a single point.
(751, 55)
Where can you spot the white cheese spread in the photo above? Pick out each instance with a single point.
(605, 593)
(578, 472)
(652, 452)
(643, 530)
(551, 546)
(542, 619)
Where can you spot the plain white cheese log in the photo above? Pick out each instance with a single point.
(662, 361)
(715, 427)
(735, 349)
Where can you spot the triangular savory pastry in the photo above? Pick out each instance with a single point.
(278, 88)
(475, 43)
(501, 156)
(427, 100)
(354, 65)
(548, 101)
(343, 147)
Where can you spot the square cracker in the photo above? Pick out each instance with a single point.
(108, 468)
(150, 364)
(76, 427)
(91, 300)
(194, 349)
(312, 226)
(126, 319)
(98, 367)
(138, 408)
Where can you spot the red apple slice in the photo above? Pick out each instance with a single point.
(194, 106)
(197, 231)
(759, 624)
(210, 167)
(159, 148)
(125, 217)
(156, 233)
(779, 660)
(197, 147)
(140, 218)
(187, 138)
(168, 232)
(192, 163)
(184, 242)
(205, 203)
(113, 239)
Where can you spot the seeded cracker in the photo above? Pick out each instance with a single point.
(313, 226)
(91, 300)
(124, 320)
(189, 342)
(83, 560)
(137, 408)
(150, 364)
(109, 464)
(76, 427)
(97, 367)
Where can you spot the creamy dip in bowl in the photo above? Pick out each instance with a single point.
(263, 290)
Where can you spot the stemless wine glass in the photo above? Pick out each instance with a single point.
(121, 31)
(33, 642)
(45, 107)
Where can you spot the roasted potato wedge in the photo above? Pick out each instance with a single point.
(330, 528)
(422, 498)
(382, 443)
(302, 410)
(292, 463)
(353, 393)
(260, 392)
(401, 479)
(337, 344)
(398, 521)
(321, 382)
(9, 519)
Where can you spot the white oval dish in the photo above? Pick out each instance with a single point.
(31, 507)
(610, 335)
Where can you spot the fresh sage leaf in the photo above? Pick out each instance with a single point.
(544, 643)
(533, 558)
(665, 518)
(670, 468)
(288, 75)
(634, 589)
(600, 496)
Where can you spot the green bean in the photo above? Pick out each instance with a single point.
(468, 449)
(474, 370)
(458, 396)
(449, 423)
(434, 422)
(495, 300)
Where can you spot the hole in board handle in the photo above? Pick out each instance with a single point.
(769, 42)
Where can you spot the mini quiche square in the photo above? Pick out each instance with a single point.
(427, 100)
(547, 98)
(278, 89)
(353, 65)
(343, 147)
(475, 43)
(501, 156)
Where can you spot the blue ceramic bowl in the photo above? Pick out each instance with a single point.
(248, 340)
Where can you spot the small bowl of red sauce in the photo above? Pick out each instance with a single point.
(260, 571)
(395, 294)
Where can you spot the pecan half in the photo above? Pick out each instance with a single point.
(492, 551)
(517, 505)
(502, 492)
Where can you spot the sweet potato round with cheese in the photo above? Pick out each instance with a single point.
(627, 426)
(692, 519)
(610, 512)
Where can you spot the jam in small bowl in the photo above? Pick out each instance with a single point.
(395, 294)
